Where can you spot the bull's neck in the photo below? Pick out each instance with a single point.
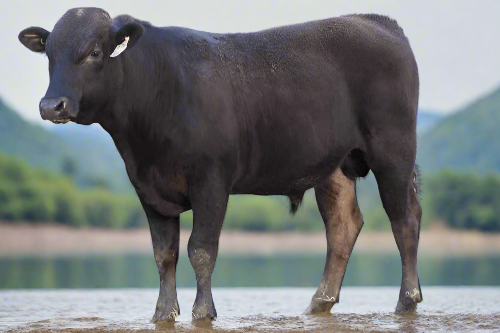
(143, 100)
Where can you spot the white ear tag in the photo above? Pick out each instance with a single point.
(120, 48)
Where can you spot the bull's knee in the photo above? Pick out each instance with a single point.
(165, 259)
(202, 263)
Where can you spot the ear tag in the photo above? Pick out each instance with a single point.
(120, 48)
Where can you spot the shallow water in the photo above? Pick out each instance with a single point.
(445, 309)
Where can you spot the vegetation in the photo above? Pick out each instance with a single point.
(465, 201)
(33, 195)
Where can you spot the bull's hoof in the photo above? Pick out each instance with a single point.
(204, 313)
(321, 304)
(408, 303)
(166, 313)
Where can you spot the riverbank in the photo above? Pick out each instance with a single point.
(49, 239)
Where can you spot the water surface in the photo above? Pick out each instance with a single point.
(445, 309)
(86, 304)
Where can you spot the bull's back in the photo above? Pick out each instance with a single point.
(297, 95)
(328, 70)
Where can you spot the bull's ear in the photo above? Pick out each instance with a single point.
(127, 36)
(34, 38)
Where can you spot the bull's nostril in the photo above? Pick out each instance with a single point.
(60, 106)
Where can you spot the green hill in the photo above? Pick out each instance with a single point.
(87, 153)
(427, 120)
(28, 141)
(468, 140)
(97, 159)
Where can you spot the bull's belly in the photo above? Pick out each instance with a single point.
(285, 181)
(291, 171)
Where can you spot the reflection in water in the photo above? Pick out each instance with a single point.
(139, 270)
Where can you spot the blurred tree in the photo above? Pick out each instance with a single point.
(96, 182)
(69, 167)
(464, 201)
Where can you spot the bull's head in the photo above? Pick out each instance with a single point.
(83, 65)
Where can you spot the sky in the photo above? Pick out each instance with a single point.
(455, 42)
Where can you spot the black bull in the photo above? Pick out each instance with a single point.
(198, 116)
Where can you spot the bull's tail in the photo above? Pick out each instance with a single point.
(294, 207)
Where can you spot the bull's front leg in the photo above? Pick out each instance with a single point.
(208, 201)
(165, 237)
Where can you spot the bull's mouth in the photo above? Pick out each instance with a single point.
(61, 121)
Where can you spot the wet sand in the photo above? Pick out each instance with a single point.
(340, 323)
(47, 239)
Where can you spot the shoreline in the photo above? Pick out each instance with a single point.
(57, 240)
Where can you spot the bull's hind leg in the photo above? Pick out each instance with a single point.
(336, 198)
(397, 182)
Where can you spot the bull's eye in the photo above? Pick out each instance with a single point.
(95, 54)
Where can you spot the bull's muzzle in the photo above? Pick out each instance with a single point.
(57, 110)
